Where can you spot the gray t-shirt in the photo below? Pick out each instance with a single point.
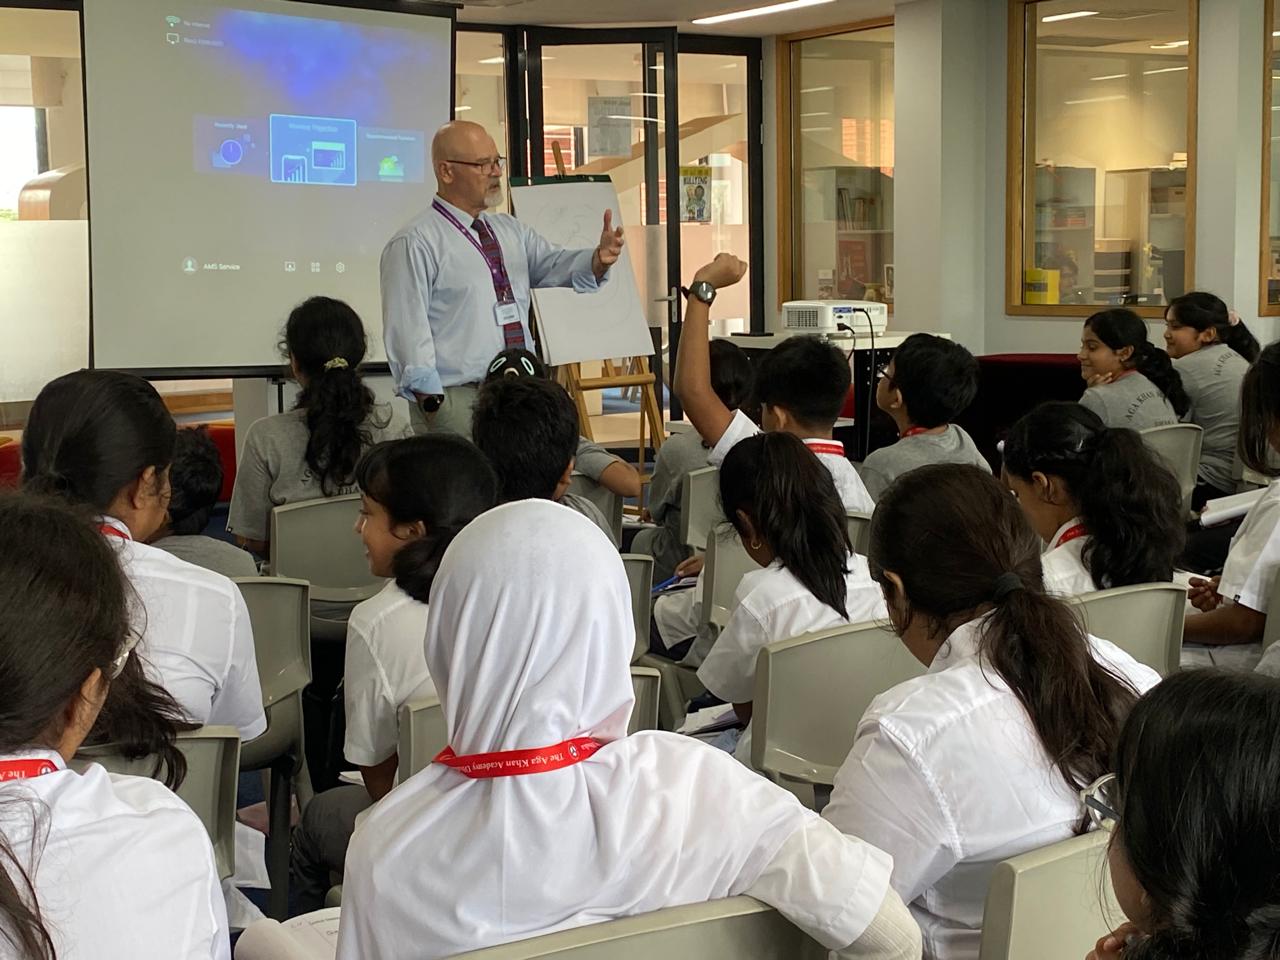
(1211, 377)
(592, 460)
(885, 465)
(273, 467)
(1132, 401)
(210, 553)
(680, 455)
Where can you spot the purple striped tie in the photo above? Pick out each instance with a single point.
(512, 333)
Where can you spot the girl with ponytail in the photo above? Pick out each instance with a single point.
(784, 506)
(1110, 512)
(982, 757)
(1195, 852)
(312, 450)
(1211, 350)
(91, 863)
(1131, 381)
(416, 496)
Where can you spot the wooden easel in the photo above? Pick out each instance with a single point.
(570, 375)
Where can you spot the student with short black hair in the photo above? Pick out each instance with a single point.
(591, 460)
(528, 428)
(92, 864)
(104, 440)
(927, 384)
(801, 385)
(784, 507)
(1108, 508)
(1192, 806)
(682, 453)
(1130, 381)
(1211, 350)
(196, 479)
(983, 756)
(311, 451)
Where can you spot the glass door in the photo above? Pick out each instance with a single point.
(608, 99)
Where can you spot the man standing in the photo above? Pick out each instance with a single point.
(456, 281)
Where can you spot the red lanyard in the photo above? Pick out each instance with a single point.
(914, 431)
(110, 531)
(515, 763)
(1073, 532)
(826, 446)
(25, 769)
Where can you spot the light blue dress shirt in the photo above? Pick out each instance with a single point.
(438, 324)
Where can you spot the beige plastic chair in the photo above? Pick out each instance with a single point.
(678, 684)
(610, 503)
(810, 693)
(279, 610)
(422, 734)
(315, 540)
(647, 684)
(1144, 620)
(727, 562)
(699, 506)
(1178, 445)
(213, 769)
(639, 569)
(1050, 904)
(859, 531)
(739, 928)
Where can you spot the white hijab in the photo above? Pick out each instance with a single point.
(528, 641)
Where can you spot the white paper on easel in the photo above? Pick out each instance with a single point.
(606, 324)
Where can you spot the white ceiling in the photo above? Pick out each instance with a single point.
(617, 13)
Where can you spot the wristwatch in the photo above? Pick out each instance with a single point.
(703, 291)
(430, 403)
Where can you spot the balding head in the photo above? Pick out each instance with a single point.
(458, 151)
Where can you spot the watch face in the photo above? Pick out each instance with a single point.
(704, 291)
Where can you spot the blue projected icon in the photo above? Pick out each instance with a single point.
(231, 152)
(313, 150)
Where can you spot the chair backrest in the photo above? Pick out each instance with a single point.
(1052, 903)
(610, 503)
(213, 770)
(699, 506)
(859, 531)
(422, 734)
(811, 691)
(727, 562)
(647, 684)
(639, 569)
(315, 540)
(1144, 620)
(1178, 444)
(739, 928)
(279, 611)
(1272, 631)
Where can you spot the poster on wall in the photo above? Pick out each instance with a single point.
(609, 126)
(695, 194)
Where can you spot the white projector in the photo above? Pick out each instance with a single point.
(831, 317)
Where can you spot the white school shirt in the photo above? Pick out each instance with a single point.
(853, 492)
(197, 642)
(948, 776)
(1065, 574)
(385, 669)
(122, 868)
(1254, 556)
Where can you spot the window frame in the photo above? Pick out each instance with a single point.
(1265, 307)
(790, 257)
(1017, 186)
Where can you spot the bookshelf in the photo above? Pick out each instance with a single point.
(852, 236)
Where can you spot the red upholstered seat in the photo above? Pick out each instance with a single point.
(224, 435)
(10, 464)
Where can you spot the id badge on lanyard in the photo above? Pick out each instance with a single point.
(506, 313)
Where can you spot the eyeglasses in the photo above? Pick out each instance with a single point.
(493, 163)
(117, 665)
(1100, 802)
(882, 371)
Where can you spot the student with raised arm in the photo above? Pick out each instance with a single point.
(801, 385)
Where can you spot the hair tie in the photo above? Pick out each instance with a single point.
(1233, 318)
(1006, 584)
(337, 363)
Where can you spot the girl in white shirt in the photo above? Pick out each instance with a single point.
(784, 506)
(983, 757)
(1192, 808)
(105, 440)
(92, 864)
(542, 814)
(1110, 512)
(1234, 605)
(416, 495)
